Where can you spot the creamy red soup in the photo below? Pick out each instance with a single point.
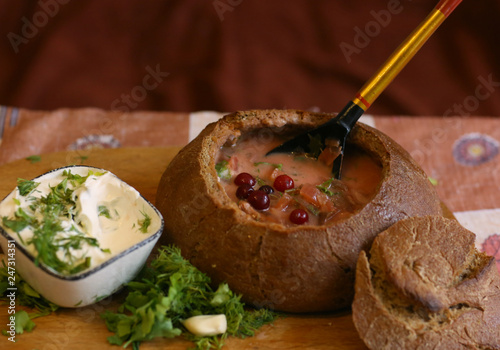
(294, 189)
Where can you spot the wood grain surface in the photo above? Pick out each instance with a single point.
(82, 328)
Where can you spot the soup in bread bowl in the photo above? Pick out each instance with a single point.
(260, 251)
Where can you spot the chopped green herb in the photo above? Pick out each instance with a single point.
(171, 290)
(25, 187)
(144, 223)
(293, 191)
(103, 211)
(25, 296)
(260, 182)
(302, 203)
(312, 209)
(15, 225)
(82, 159)
(274, 165)
(100, 297)
(78, 179)
(23, 322)
(433, 181)
(325, 187)
(223, 170)
(34, 159)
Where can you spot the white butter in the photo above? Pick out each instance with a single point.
(206, 325)
(116, 229)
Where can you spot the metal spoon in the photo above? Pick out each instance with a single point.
(339, 127)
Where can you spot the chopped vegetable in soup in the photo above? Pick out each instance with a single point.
(295, 189)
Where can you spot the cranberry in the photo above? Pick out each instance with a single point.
(243, 191)
(259, 200)
(283, 183)
(245, 178)
(299, 216)
(266, 188)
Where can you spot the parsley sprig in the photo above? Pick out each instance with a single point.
(170, 290)
(25, 296)
(25, 187)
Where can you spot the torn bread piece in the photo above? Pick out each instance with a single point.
(424, 285)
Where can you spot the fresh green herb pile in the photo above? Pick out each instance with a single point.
(163, 294)
(171, 290)
(25, 296)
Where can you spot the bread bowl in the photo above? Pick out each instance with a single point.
(424, 285)
(301, 268)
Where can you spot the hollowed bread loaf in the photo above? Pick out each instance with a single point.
(424, 285)
(305, 268)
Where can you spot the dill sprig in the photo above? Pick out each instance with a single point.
(144, 223)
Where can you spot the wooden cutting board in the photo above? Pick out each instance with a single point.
(83, 329)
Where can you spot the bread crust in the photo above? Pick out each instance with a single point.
(425, 286)
(294, 269)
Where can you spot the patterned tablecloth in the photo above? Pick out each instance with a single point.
(459, 153)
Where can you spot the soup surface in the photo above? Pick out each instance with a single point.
(294, 189)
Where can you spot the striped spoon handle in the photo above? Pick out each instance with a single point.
(403, 54)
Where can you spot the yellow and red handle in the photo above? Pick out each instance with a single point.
(404, 53)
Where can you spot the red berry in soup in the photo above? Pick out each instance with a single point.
(244, 179)
(266, 188)
(299, 216)
(259, 200)
(283, 183)
(244, 191)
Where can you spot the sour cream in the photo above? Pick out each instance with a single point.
(102, 207)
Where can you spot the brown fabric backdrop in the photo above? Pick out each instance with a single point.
(230, 55)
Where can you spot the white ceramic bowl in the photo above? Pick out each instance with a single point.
(94, 283)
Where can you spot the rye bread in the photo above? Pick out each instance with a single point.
(294, 269)
(426, 286)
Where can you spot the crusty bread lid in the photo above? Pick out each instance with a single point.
(425, 284)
